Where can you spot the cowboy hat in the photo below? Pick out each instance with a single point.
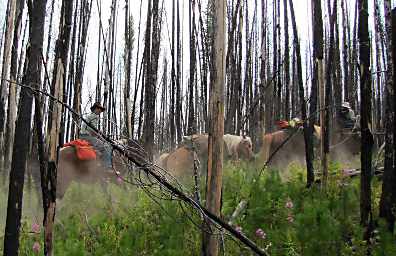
(98, 105)
(345, 104)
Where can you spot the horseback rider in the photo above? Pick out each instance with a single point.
(88, 134)
(346, 116)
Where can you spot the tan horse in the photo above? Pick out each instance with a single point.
(343, 146)
(283, 153)
(70, 168)
(180, 162)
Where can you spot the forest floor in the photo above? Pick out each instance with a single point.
(286, 218)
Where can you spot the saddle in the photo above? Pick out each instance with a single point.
(84, 150)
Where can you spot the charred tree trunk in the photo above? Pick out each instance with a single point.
(129, 39)
(172, 107)
(388, 196)
(301, 89)
(85, 14)
(231, 60)
(378, 93)
(204, 72)
(257, 142)
(21, 147)
(286, 114)
(271, 101)
(325, 135)
(345, 49)
(151, 65)
(365, 112)
(49, 40)
(178, 77)
(192, 127)
(394, 100)
(71, 124)
(55, 133)
(317, 81)
(163, 136)
(10, 14)
(353, 63)
(12, 94)
(337, 88)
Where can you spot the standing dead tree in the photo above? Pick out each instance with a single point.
(151, 52)
(9, 31)
(310, 174)
(55, 132)
(216, 124)
(129, 40)
(12, 94)
(192, 124)
(365, 112)
(317, 82)
(203, 69)
(81, 52)
(286, 114)
(178, 78)
(233, 87)
(20, 151)
(388, 196)
(326, 101)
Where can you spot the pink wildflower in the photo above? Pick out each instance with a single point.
(36, 247)
(260, 233)
(290, 218)
(289, 204)
(238, 229)
(35, 228)
(119, 180)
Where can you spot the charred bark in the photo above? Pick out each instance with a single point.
(192, 127)
(23, 127)
(12, 94)
(388, 196)
(317, 81)
(365, 112)
(10, 14)
(151, 65)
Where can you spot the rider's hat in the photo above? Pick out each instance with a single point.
(97, 105)
(345, 104)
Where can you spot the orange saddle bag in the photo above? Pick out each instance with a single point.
(84, 150)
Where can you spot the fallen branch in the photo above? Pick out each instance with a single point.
(238, 210)
(356, 172)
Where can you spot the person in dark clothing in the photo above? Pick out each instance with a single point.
(346, 116)
(88, 134)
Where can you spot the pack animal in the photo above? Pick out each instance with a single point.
(71, 168)
(181, 161)
(344, 145)
(280, 152)
(239, 147)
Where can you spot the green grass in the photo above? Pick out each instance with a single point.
(324, 222)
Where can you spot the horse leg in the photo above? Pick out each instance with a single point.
(62, 185)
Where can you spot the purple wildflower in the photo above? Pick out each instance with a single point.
(289, 204)
(36, 247)
(35, 228)
(290, 218)
(260, 233)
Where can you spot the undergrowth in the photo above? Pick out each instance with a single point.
(282, 215)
